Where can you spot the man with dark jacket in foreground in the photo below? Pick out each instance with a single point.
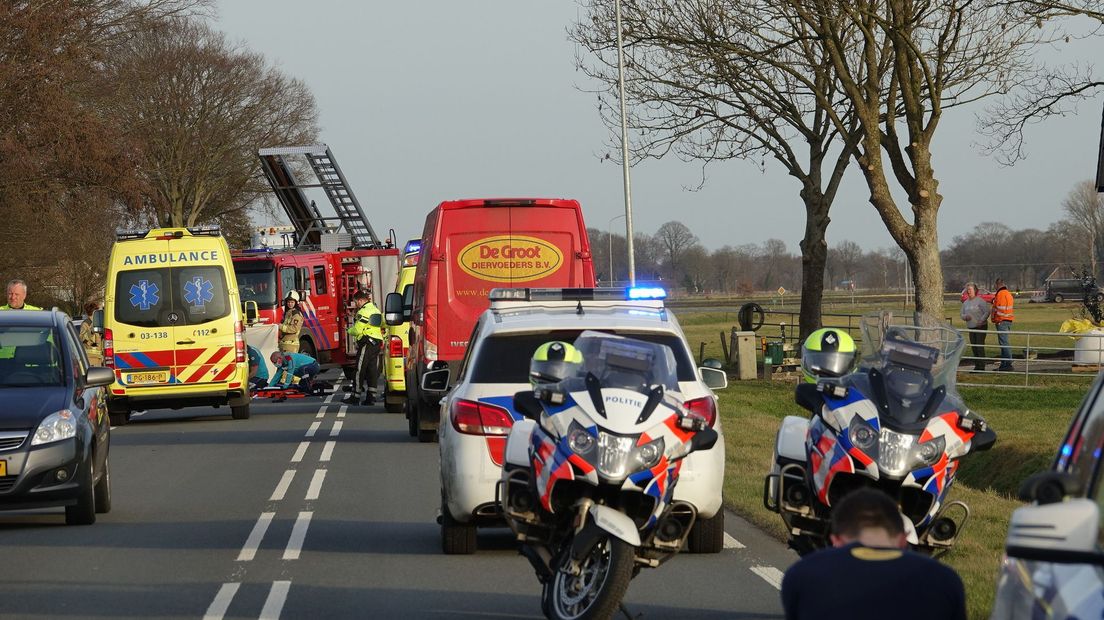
(869, 572)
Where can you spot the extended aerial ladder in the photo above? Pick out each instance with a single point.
(309, 223)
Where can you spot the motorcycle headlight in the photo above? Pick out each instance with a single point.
(862, 435)
(648, 455)
(895, 452)
(930, 451)
(56, 426)
(613, 455)
(580, 441)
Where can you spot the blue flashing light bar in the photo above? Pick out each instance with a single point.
(576, 294)
(414, 245)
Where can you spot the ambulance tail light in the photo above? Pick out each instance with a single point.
(394, 346)
(109, 349)
(239, 342)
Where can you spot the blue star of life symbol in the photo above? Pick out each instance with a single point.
(198, 291)
(144, 294)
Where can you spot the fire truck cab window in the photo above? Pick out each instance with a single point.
(287, 281)
(320, 279)
(302, 280)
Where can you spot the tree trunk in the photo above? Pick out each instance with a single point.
(927, 276)
(814, 256)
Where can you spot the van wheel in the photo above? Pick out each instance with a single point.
(349, 372)
(306, 347)
(411, 419)
(1058, 299)
(392, 407)
(423, 412)
(240, 413)
(119, 419)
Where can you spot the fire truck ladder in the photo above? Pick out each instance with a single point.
(304, 214)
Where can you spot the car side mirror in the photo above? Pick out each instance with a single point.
(713, 379)
(527, 404)
(704, 439)
(99, 375)
(392, 309)
(98, 321)
(1050, 487)
(1063, 533)
(436, 380)
(808, 397)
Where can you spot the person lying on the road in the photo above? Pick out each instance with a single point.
(292, 367)
(258, 370)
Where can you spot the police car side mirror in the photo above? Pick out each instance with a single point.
(392, 309)
(97, 321)
(713, 379)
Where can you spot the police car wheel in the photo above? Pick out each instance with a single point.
(707, 535)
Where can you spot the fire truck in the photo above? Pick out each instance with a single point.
(326, 259)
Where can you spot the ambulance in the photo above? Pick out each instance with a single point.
(397, 341)
(172, 323)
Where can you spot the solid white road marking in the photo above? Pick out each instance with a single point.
(341, 411)
(769, 574)
(316, 484)
(274, 604)
(327, 452)
(222, 601)
(336, 430)
(281, 489)
(300, 451)
(313, 429)
(732, 543)
(298, 535)
(249, 550)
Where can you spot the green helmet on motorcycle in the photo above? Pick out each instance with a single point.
(828, 353)
(553, 362)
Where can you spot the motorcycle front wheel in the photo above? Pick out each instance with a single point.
(596, 592)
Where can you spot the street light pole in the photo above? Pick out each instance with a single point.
(625, 150)
(609, 235)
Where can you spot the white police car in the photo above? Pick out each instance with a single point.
(1054, 552)
(477, 412)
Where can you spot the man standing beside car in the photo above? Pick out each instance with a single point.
(367, 330)
(975, 311)
(1002, 318)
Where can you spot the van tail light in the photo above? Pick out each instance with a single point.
(474, 418)
(430, 351)
(394, 346)
(704, 408)
(109, 349)
(239, 342)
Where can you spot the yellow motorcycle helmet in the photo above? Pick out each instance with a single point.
(827, 353)
(553, 362)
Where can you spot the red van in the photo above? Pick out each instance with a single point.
(468, 248)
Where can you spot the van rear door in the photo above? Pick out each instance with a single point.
(204, 329)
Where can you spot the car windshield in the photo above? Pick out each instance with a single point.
(29, 357)
(504, 358)
(628, 363)
(257, 282)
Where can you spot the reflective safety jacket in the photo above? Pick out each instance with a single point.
(25, 307)
(368, 322)
(291, 326)
(1002, 306)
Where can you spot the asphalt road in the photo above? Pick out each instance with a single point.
(311, 509)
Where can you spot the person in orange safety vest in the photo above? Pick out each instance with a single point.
(1002, 318)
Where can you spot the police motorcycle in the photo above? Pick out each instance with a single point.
(590, 473)
(896, 423)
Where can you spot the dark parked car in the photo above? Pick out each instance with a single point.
(54, 429)
(1059, 290)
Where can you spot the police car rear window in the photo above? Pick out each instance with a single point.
(171, 296)
(505, 358)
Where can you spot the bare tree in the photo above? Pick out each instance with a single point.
(1084, 206)
(674, 239)
(693, 97)
(846, 258)
(199, 107)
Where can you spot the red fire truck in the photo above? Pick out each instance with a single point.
(326, 282)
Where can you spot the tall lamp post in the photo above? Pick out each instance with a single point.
(609, 235)
(625, 151)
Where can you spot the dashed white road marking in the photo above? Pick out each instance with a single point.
(769, 574)
(341, 411)
(221, 604)
(321, 414)
(300, 451)
(313, 429)
(316, 484)
(281, 489)
(274, 604)
(249, 550)
(327, 452)
(732, 543)
(336, 430)
(137, 414)
(329, 398)
(298, 535)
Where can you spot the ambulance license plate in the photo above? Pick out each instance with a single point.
(147, 378)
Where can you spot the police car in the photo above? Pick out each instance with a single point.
(477, 412)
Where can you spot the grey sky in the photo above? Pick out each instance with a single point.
(423, 101)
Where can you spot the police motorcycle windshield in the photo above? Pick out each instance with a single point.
(626, 363)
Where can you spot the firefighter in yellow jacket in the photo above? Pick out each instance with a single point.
(291, 325)
(367, 329)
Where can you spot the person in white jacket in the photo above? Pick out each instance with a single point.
(975, 311)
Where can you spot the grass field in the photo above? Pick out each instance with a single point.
(1029, 425)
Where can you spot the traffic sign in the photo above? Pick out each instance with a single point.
(781, 290)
